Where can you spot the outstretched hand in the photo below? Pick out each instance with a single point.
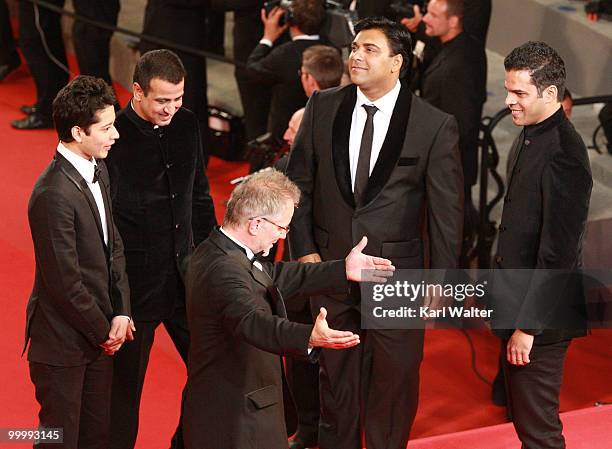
(324, 337)
(363, 268)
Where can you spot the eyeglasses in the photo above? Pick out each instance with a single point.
(280, 228)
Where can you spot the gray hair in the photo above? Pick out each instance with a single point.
(264, 193)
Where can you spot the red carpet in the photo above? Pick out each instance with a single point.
(452, 397)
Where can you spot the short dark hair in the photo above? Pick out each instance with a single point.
(325, 64)
(77, 103)
(543, 63)
(163, 64)
(308, 15)
(455, 8)
(397, 36)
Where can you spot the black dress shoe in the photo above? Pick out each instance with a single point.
(32, 121)
(299, 443)
(6, 69)
(28, 109)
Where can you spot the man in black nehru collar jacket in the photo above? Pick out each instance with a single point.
(543, 222)
(163, 210)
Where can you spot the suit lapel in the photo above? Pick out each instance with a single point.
(107, 207)
(340, 144)
(261, 277)
(75, 177)
(392, 146)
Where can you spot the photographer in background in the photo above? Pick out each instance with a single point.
(476, 18)
(278, 66)
(455, 82)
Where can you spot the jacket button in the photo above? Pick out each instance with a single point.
(176, 226)
(177, 255)
(168, 165)
(502, 228)
(527, 141)
(173, 195)
(499, 259)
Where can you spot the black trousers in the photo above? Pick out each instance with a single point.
(129, 375)
(533, 396)
(92, 44)
(76, 399)
(7, 43)
(49, 78)
(373, 386)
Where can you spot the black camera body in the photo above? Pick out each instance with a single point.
(285, 5)
(337, 27)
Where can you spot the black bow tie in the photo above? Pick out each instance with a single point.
(259, 257)
(96, 174)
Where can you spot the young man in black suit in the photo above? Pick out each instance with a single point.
(371, 158)
(238, 320)
(543, 222)
(79, 312)
(279, 66)
(163, 210)
(456, 83)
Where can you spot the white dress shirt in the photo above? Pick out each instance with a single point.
(382, 118)
(86, 170)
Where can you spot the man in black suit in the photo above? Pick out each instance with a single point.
(234, 393)
(279, 66)
(79, 311)
(163, 210)
(542, 226)
(456, 83)
(371, 158)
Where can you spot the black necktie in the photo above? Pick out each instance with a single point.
(96, 174)
(365, 151)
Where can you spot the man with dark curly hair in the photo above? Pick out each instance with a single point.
(79, 312)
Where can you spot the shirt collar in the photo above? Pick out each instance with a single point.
(385, 104)
(306, 37)
(83, 166)
(551, 122)
(143, 125)
(250, 254)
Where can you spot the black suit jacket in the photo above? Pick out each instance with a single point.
(455, 82)
(417, 175)
(278, 67)
(162, 206)
(542, 228)
(80, 282)
(233, 398)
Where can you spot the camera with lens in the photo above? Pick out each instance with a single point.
(283, 4)
(337, 28)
